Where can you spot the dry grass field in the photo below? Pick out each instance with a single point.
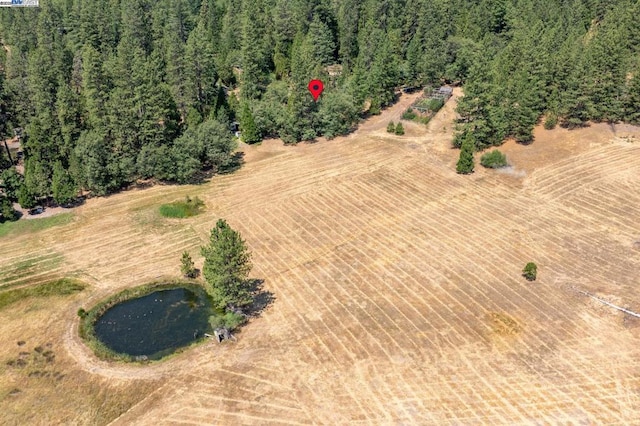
(398, 295)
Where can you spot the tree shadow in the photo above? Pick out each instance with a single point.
(262, 298)
(572, 125)
(193, 275)
(76, 202)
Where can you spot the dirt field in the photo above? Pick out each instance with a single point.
(398, 292)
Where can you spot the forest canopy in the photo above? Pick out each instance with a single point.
(111, 91)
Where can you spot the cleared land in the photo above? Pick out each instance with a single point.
(397, 282)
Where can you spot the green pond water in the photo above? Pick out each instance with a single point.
(157, 324)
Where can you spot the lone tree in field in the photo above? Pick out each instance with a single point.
(399, 129)
(530, 271)
(227, 263)
(465, 162)
(187, 267)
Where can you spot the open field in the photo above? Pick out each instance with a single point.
(398, 292)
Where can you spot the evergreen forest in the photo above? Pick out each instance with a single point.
(108, 92)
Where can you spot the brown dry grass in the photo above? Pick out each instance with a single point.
(387, 268)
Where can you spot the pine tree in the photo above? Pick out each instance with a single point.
(11, 181)
(95, 88)
(248, 127)
(98, 170)
(176, 62)
(201, 72)
(320, 37)
(254, 54)
(136, 25)
(96, 23)
(69, 117)
(26, 199)
(227, 263)
(37, 177)
(283, 33)
(62, 186)
(384, 74)
(229, 43)
(632, 101)
(348, 16)
(301, 122)
(187, 266)
(465, 162)
(7, 213)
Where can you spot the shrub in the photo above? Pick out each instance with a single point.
(391, 127)
(493, 160)
(409, 114)
(229, 320)
(423, 120)
(82, 313)
(530, 271)
(399, 129)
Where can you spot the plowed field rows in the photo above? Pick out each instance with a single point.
(398, 295)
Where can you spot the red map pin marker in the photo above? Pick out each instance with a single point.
(316, 87)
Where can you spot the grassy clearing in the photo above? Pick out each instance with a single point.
(20, 272)
(61, 287)
(182, 209)
(34, 225)
(88, 318)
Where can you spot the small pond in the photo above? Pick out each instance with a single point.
(157, 324)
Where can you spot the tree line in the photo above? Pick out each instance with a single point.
(569, 62)
(111, 91)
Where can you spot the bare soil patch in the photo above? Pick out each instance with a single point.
(550, 146)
